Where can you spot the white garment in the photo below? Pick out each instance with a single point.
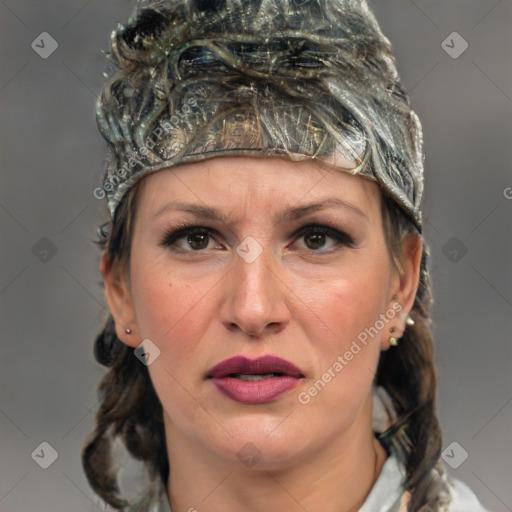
(387, 491)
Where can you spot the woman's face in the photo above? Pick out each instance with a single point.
(254, 281)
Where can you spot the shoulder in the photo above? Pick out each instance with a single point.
(152, 499)
(388, 493)
(463, 498)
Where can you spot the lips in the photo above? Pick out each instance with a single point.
(261, 366)
(255, 381)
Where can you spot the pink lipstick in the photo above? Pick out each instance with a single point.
(255, 381)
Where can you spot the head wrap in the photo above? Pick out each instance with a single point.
(302, 79)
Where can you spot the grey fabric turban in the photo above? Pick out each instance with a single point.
(291, 78)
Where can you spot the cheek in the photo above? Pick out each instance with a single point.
(348, 305)
(170, 311)
(347, 334)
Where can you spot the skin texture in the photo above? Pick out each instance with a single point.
(304, 299)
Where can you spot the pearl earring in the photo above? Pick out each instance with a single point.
(128, 331)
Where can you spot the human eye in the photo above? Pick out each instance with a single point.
(315, 236)
(195, 235)
(189, 237)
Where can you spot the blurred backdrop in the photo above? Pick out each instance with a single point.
(454, 57)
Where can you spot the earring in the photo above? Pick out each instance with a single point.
(393, 341)
(409, 320)
(128, 331)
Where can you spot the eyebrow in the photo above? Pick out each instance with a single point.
(293, 213)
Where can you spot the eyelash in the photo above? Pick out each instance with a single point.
(185, 228)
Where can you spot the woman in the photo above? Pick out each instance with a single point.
(268, 343)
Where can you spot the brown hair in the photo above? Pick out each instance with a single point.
(131, 409)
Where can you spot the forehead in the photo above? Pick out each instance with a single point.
(255, 182)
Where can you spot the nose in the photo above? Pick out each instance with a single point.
(255, 299)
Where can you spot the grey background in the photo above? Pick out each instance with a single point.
(52, 306)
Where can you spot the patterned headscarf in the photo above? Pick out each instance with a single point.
(197, 79)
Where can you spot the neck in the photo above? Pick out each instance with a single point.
(337, 478)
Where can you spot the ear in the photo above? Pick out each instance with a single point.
(404, 285)
(119, 300)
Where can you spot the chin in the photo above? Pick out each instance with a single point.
(260, 445)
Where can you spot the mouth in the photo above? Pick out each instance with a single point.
(265, 367)
(255, 381)
(254, 377)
